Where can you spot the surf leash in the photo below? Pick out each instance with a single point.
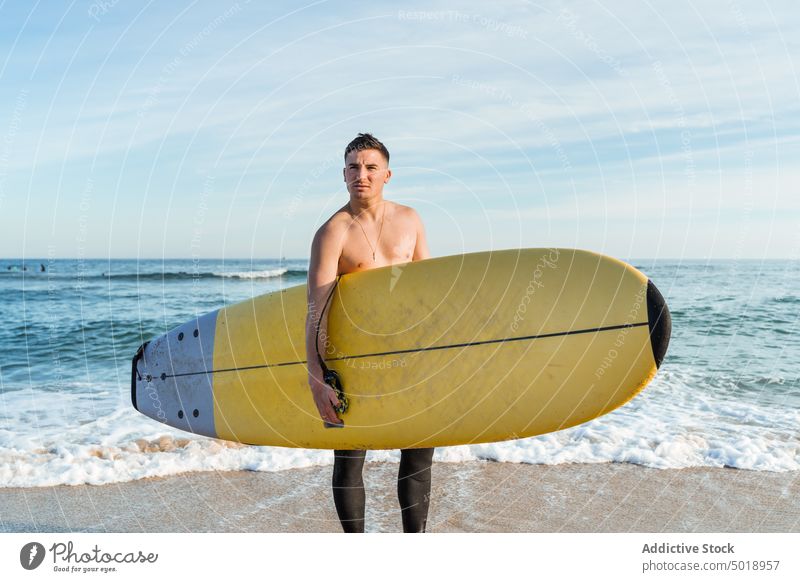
(331, 377)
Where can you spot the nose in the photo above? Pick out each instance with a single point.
(362, 174)
(659, 321)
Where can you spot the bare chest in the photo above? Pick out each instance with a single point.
(370, 248)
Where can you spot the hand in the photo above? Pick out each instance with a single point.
(325, 399)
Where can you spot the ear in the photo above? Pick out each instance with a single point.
(388, 175)
(344, 174)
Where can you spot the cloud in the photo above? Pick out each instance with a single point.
(531, 99)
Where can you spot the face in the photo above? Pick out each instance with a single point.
(365, 173)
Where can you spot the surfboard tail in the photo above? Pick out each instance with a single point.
(172, 376)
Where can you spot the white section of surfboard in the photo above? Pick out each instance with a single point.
(183, 401)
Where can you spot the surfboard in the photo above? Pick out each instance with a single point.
(464, 349)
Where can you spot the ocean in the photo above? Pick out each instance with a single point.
(727, 394)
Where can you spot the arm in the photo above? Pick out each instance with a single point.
(421, 248)
(322, 270)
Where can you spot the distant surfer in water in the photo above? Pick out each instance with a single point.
(366, 233)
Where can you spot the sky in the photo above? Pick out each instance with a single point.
(638, 129)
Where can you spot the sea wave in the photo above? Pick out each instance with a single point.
(265, 274)
(165, 454)
(677, 422)
(169, 275)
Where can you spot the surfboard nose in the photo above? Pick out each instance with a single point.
(135, 372)
(659, 322)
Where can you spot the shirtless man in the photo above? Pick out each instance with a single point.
(365, 233)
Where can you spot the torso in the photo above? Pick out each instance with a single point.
(396, 245)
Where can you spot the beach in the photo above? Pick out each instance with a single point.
(474, 496)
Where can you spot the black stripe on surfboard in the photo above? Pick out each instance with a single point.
(414, 350)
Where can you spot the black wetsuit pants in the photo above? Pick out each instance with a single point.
(413, 488)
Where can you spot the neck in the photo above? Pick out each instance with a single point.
(366, 209)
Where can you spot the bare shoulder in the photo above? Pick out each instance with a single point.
(405, 212)
(326, 247)
(333, 228)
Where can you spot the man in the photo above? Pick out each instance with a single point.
(366, 233)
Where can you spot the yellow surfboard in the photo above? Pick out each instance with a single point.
(464, 349)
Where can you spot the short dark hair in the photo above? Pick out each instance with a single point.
(366, 141)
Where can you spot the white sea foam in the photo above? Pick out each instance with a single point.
(79, 436)
(265, 274)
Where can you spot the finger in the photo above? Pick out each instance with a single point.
(332, 415)
(328, 414)
(325, 411)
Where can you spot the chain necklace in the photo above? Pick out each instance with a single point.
(380, 230)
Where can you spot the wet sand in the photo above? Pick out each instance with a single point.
(466, 497)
